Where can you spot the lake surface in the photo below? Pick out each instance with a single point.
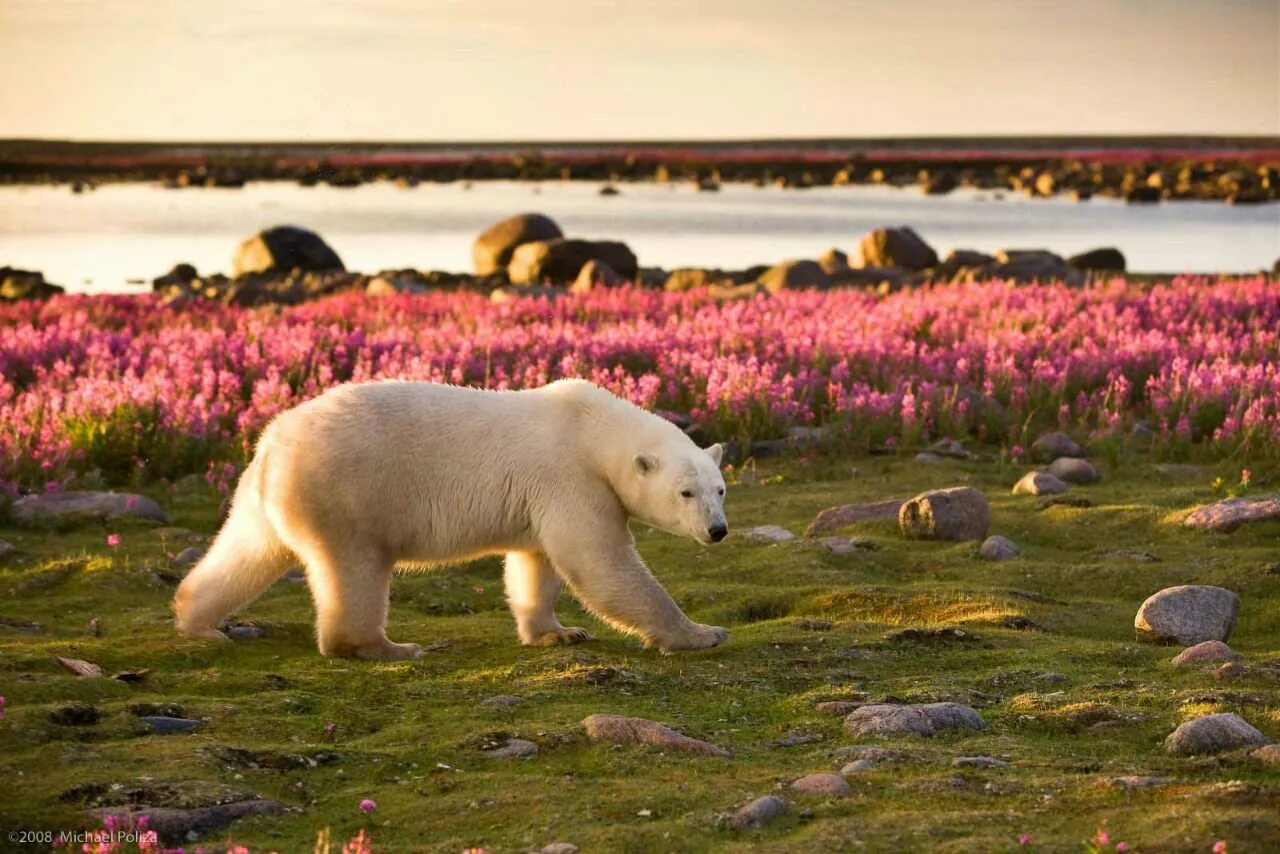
(98, 241)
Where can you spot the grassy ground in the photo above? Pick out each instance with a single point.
(1072, 701)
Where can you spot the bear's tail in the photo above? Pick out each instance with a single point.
(246, 556)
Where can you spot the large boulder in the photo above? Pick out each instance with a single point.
(960, 513)
(1107, 259)
(833, 261)
(284, 248)
(1213, 734)
(492, 251)
(794, 274)
(559, 261)
(1230, 513)
(1188, 614)
(896, 247)
(25, 284)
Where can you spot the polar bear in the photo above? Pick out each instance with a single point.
(367, 476)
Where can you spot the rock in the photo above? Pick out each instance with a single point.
(183, 825)
(1050, 446)
(896, 247)
(52, 506)
(164, 725)
(596, 274)
(1212, 734)
(75, 714)
(1268, 754)
(515, 748)
(1039, 483)
(502, 700)
(838, 707)
(25, 284)
(1230, 513)
(284, 248)
(1230, 670)
(998, 548)
(835, 518)
(83, 669)
(873, 753)
(1031, 265)
(560, 261)
(395, 284)
(559, 848)
(978, 762)
(790, 275)
(958, 258)
(949, 448)
(180, 274)
(768, 534)
(1073, 470)
(188, 556)
(758, 813)
(845, 546)
(493, 249)
(690, 278)
(958, 513)
(830, 785)
(1188, 614)
(926, 719)
(1137, 781)
(833, 261)
(1207, 652)
(795, 740)
(1108, 259)
(244, 633)
(857, 766)
(928, 457)
(619, 729)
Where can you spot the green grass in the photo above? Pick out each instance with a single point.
(399, 725)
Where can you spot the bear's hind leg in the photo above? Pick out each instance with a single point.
(351, 592)
(532, 590)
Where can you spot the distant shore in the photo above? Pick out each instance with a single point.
(1237, 170)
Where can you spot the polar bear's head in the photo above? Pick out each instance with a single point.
(679, 490)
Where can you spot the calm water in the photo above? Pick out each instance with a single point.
(99, 240)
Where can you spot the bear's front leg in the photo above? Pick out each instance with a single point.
(609, 577)
(532, 590)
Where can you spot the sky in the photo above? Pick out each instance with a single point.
(442, 70)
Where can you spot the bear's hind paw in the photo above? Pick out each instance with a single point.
(566, 635)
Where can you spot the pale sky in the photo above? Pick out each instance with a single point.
(439, 70)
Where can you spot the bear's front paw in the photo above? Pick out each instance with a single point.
(697, 636)
(564, 635)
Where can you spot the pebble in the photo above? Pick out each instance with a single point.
(846, 546)
(823, 783)
(998, 548)
(925, 719)
(619, 729)
(1212, 734)
(243, 633)
(757, 813)
(1188, 614)
(1073, 470)
(1039, 483)
(768, 534)
(1208, 652)
(515, 748)
(857, 766)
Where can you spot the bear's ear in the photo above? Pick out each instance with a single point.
(716, 452)
(646, 463)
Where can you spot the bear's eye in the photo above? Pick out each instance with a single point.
(721, 490)
(686, 493)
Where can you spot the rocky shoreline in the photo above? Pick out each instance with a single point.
(529, 255)
(1237, 175)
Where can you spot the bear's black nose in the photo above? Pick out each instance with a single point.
(718, 533)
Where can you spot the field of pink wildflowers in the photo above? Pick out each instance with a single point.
(113, 389)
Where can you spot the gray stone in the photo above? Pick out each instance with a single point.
(757, 813)
(926, 719)
(1073, 470)
(559, 848)
(515, 748)
(1188, 614)
(1208, 652)
(1230, 513)
(978, 762)
(1039, 483)
(492, 250)
(105, 505)
(619, 729)
(502, 700)
(958, 513)
(998, 548)
(244, 633)
(168, 726)
(834, 518)
(949, 448)
(846, 546)
(1213, 734)
(857, 766)
(1050, 446)
(768, 534)
(824, 783)
(188, 556)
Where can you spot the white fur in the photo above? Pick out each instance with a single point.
(368, 476)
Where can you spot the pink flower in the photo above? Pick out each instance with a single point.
(330, 727)
(1220, 847)
(1245, 477)
(368, 805)
(1122, 846)
(479, 590)
(1024, 839)
(1, 706)
(113, 540)
(1101, 837)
